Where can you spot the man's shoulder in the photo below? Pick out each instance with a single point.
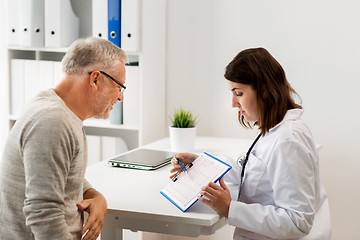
(46, 117)
(49, 110)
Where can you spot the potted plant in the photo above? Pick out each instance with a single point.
(182, 131)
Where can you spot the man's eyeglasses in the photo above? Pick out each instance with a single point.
(116, 81)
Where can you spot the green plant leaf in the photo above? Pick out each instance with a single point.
(182, 118)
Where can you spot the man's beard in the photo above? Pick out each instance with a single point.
(101, 109)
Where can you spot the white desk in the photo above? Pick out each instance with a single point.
(134, 199)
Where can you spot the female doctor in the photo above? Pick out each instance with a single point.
(280, 194)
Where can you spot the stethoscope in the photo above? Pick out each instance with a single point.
(242, 161)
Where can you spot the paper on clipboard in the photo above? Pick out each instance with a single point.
(184, 192)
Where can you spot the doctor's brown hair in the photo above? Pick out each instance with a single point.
(259, 69)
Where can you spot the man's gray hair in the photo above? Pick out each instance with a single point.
(90, 54)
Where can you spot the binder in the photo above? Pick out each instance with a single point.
(61, 23)
(17, 85)
(116, 114)
(130, 25)
(46, 75)
(31, 78)
(114, 18)
(100, 18)
(184, 190)
(131, 96)
(13, 23)
(57, 73)
(31, 23)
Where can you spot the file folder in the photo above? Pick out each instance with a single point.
(114, 18)
(130, 25)
(17, 85)
(100, 18)
(61, 23)
(13, 23)
(32, 23)
(131, 97)
(46, 75)
(31, 78)
(116, 114)
(57, 73)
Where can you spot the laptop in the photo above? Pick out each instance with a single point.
(143, 159)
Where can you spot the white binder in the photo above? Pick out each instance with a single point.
(130, 25)
(58, 73)
(46, 75)
(31, 23)
(31, 78)
(131, 97)
(17, 86)
(61, 23)
(13, 24)
(100, 18)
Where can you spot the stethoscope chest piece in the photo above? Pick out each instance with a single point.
(241, 160)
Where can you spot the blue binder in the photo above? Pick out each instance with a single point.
(114, 18)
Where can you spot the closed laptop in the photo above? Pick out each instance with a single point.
(143, 159)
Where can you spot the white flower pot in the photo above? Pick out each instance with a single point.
(182, 139)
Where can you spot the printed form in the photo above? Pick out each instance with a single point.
(184, 192)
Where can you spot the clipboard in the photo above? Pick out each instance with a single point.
(184, 192)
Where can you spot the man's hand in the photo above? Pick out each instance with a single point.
(94, 203)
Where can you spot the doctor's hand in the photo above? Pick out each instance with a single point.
(217, 197)
(95, 204)
(185, 158)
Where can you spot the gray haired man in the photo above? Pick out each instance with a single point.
(43, 192)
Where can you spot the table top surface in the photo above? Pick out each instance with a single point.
(136, 193)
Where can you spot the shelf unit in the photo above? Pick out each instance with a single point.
(151, 58)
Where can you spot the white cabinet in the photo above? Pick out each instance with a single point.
(150, 111)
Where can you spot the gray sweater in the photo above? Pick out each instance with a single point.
(42, 172)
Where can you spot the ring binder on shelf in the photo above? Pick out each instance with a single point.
(13, 18)
(131, 96)
(46, 75)
(114, 25)
(130, 25)
(100, 18)
(31, 78)
(61, 23)
(32, 23)
(17, 85)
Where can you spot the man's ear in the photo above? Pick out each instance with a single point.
(94, 77)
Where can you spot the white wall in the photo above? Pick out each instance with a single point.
(317, 43)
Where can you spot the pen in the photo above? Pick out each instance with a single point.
(186, 167)
(182, 166)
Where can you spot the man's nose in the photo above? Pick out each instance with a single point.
(121, 97)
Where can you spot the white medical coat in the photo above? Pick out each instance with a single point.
(281, 196)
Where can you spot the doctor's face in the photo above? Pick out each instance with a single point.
(245, 100)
